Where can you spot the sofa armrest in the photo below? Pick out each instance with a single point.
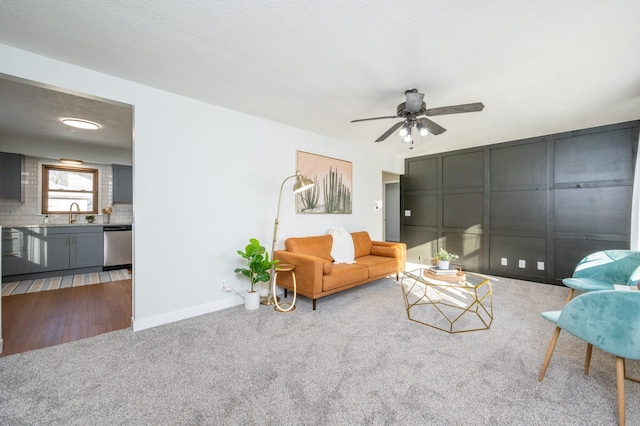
(309, 272)
(385, 248)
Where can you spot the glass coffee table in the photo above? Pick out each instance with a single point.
(454, 304)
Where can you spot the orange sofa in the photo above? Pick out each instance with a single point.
(316, 274)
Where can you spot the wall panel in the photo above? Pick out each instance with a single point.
(543, 202)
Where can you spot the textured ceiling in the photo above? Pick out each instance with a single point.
(540, 67)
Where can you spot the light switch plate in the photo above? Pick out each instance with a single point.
(540, 266)
(522, 263)
(503, 261)
(407, 213)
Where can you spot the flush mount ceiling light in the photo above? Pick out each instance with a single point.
(81, 124)
(70, 161)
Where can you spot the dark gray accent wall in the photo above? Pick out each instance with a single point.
(527, 209)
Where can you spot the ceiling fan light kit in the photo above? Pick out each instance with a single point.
(413, 110)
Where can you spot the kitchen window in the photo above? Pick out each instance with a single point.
(62, 186)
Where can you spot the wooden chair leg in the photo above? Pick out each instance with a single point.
(587, 360)
(571, 290)
(547, 358)
(620, 386)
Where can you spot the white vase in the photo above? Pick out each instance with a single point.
(443, 264)
(251, 300)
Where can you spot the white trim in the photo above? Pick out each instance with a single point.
(169, 317)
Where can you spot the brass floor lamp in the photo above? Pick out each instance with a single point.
(302, 183)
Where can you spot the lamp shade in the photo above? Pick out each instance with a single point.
(302, 183)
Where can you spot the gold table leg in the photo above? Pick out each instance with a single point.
(285, 307)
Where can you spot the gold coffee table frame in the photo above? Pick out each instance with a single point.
(447, 302)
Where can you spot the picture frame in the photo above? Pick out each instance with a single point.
(333, 192)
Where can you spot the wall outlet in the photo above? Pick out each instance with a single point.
(503, 261)
(540, 266)
(407, 213)
(522, 263)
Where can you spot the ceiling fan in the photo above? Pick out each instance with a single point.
(412, 111)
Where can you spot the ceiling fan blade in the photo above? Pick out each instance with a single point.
(455, 109)
(414, 101)
(434, 129)
(391, 130)
(374, 118)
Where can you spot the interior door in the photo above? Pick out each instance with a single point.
(392, 212)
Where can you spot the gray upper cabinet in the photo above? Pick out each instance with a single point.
(11, 176)
(122, 184)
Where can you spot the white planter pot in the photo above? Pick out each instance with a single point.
(443, 264)
(251, 300)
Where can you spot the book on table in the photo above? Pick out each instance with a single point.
(437, 271)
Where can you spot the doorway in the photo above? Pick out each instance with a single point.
(391, 207)
(32, 113)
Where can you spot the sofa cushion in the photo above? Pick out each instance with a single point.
(378, 266)
(361, 243)
(327, 268)
(385, 251)
(344, 274)
(319, 246)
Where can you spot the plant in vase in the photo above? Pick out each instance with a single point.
(444, 257)
(90, 218)
(106, 215)
(258, 270)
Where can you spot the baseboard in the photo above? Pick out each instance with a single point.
(169, 317)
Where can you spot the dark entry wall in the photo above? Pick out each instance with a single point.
(528, 209)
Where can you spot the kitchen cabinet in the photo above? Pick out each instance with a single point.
(66, 247)
(122, 184)
(11, 176)
(32, 250)
(15, 252)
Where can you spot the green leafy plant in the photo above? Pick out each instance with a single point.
(442, 254)
(258, 263)
(90, 218)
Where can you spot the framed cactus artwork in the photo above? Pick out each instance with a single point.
(332, 193)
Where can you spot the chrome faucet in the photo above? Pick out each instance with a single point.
(71, 220)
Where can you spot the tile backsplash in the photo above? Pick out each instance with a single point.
(15, 213)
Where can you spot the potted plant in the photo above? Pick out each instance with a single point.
(90, 218)
(444, 257)
(258, 270)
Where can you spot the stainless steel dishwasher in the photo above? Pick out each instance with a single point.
(117, 247)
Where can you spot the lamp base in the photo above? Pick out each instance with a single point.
(269, 300)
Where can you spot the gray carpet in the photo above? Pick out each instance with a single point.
(357, 360)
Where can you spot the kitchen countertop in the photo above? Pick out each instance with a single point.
(51, 225)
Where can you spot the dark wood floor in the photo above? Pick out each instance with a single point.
(47, 318)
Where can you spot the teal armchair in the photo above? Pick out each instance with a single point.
(609, 320)
(603, 269)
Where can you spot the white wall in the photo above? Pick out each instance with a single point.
(221, 190)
